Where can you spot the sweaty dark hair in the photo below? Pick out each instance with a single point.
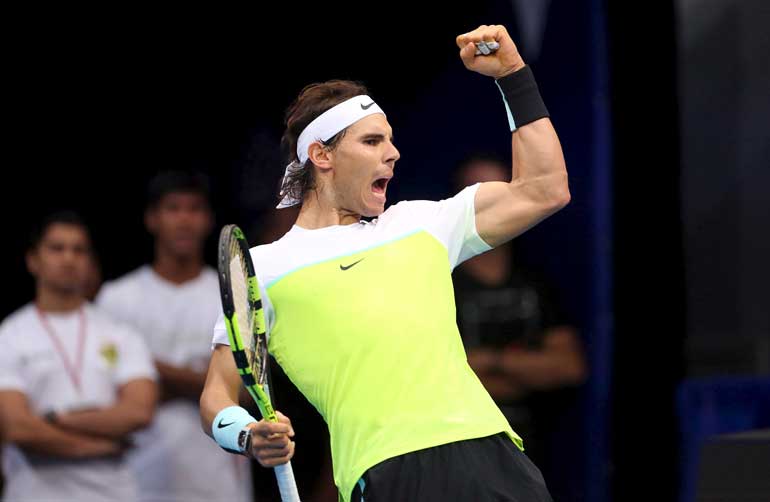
(312, 102)
(167, 182)
(65, 217)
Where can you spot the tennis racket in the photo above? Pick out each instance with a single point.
(245, 321)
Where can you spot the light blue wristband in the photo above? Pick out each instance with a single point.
(227, 426)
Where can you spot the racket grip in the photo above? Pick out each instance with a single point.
(286, 484)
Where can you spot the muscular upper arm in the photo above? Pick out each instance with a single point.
(505, 210)
(538, 188)
(222, 386)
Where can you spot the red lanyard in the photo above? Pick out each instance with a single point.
(73, 370)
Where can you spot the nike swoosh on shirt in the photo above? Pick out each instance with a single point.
(366, 107)
(343, 267)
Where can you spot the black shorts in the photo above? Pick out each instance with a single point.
(485, 469)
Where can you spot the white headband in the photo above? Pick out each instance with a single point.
(323, 128)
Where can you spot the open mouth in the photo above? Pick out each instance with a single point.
(380, 185)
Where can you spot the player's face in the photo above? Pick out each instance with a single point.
(180, 223)
(62, 260)
(363, 162)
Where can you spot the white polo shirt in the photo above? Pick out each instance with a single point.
(174, 460)
(33, 363)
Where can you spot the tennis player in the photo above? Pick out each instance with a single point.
(361, 314)
(74, 384)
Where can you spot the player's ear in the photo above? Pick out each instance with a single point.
(320, 155)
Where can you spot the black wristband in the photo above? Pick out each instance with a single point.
(522, 98)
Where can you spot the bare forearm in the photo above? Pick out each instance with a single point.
(133, 410)
(538, 163)
(37, 436)
(501, 387)
(511, 373)
(115, 422)
(222, 386)
(180, 382)
(560, 362)
(539, 371)
(487, 364)
(517, 375)
(212, 402)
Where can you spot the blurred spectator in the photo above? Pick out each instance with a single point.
(517, 341)
(73, 383)
(173, 303)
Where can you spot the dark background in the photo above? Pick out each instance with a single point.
(661, 107)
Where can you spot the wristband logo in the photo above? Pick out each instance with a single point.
(220, 425)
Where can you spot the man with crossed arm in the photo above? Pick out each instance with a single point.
(74, 384)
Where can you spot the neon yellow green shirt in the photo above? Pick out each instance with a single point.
(362, 320)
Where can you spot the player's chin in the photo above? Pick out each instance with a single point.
(374, 202)
(373, 207)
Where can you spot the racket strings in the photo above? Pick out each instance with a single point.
(240, 291)
(255, 348)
